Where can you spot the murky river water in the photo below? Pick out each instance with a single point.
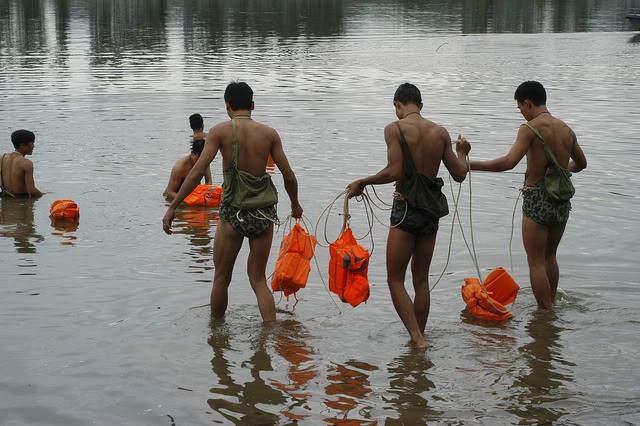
(100, 324)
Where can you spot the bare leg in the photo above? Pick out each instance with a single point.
(400, 246)
(260, 247)
(553, 272)
(226, 245)
(420, 264)
(534, 237)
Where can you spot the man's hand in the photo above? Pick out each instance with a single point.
(296, 211)
(355, 188)
(167, 219)
(462, 145)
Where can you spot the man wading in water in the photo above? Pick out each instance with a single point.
(249, 199)
(415, 148)
(547, 188)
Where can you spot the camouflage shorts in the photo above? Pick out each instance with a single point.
(250, 223)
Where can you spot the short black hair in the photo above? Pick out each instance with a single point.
(197, 146)
(407, 93)
(22, 137)
(238, 95)
(533, 91)
(196, 122)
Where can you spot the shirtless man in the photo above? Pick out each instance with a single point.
(182, 168)
(16, 171)
(249, 200)
(196, 122)
(415, 148)
(543, 220)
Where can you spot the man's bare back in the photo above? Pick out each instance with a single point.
(557, 135)
(255, 143)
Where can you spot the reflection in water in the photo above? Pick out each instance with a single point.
(290, 343)
(17, 222)
(347, 390)
(535, 395)
(133, 26)
(195, 222)
(66, 230)
(239, 402)
(408, 381)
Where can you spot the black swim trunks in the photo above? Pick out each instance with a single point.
(413, 221)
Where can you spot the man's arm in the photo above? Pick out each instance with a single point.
(29, 181)
(209, 152)
(578, 160)
(207, 175)
(456, 165)
(290, 181)
(507, 162)
(391, 172)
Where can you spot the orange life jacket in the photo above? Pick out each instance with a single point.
(501, 290)
(348, 268)
(64, 210)
(293, 264)
(205, 195)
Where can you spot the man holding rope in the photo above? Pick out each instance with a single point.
(553, 153)
(249, 200)
(415, 148)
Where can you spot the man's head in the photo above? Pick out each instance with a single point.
(407, 95)
(238, 96)
(532, 91)
(196, 122)
(23, 139)
(197, 146)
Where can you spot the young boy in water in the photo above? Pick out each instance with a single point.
(415, 148)
(249, 200)
(543, 219)
(16, 171)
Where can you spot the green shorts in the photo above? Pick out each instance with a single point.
(250, 223)
(537, 206)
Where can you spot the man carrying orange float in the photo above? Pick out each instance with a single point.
(249, 198)
(415, 148)
(553, 153)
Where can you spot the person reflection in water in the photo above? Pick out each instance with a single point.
(234, 398)
(16, 171)
(17, 222)
(537, 394)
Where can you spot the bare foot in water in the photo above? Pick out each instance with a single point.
(420, 344)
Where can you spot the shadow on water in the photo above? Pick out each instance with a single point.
(17, 222)
(538, 393)
(347, 392)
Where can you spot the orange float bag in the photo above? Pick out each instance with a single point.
(205, 195)
(348, 268)
(293, 264)
(501, 290)
(64, 210)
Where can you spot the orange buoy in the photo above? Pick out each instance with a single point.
(348, 268)
(489, 302)
(293, 264)
(64, 210)
(205, 195)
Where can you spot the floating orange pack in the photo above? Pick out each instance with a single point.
(64, 210)
(293, 264)
(348, 268)
(205, 195)
(501, 290)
